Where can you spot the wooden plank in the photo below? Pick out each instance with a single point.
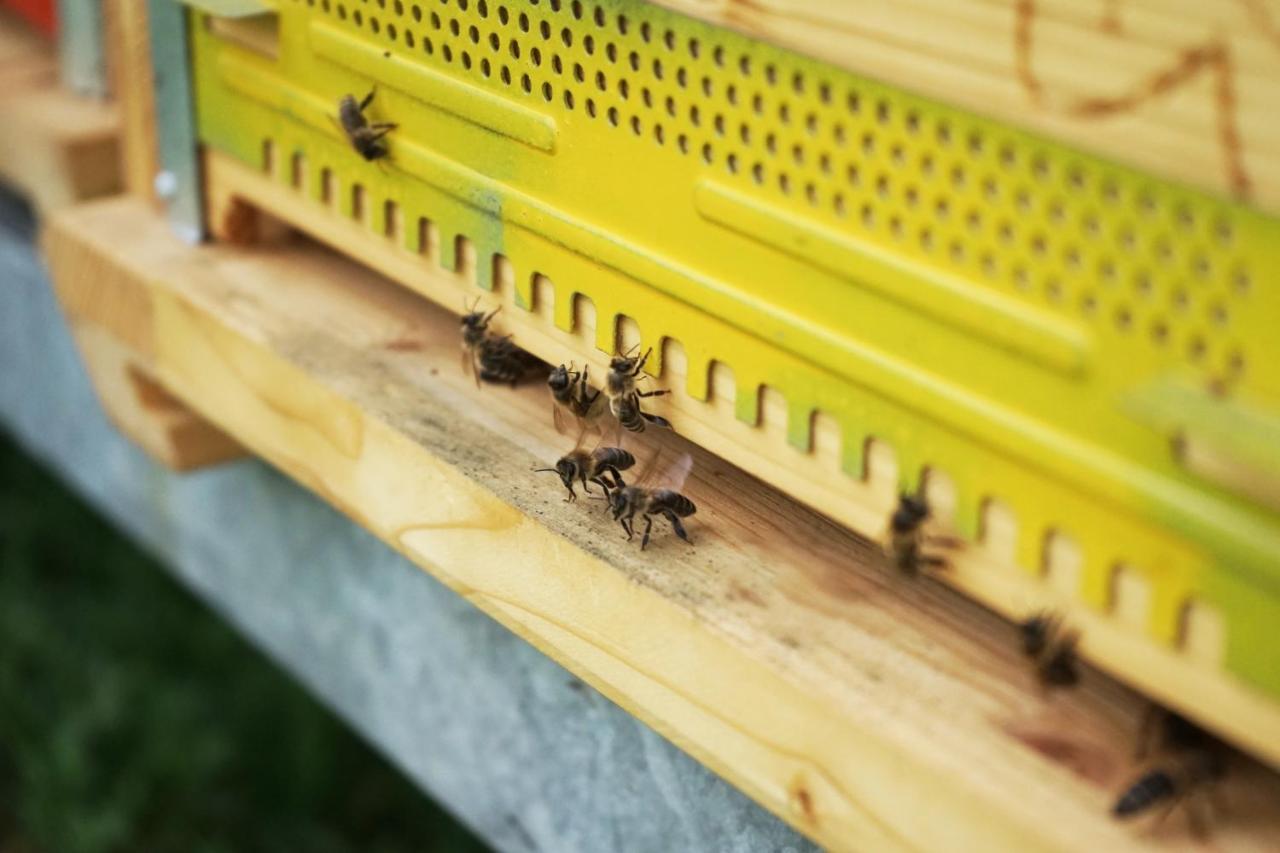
(58, 148)
(868, 711)
(25, 58)
(129, 59)
(1182, 89)
(1189, 677)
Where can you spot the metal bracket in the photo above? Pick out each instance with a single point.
(178, 182)
(81, 49)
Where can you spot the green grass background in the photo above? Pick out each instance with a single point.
(132, 718)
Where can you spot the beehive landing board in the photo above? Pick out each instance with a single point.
(537, 760)
(776, 650)
(1182, 680)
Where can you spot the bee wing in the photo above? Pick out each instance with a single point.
(662, 472)
(674, 476)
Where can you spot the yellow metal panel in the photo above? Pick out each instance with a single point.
(987, 303)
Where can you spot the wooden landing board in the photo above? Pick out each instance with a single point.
(869, 712)
(55, 147)
(1180, 88)
(1189, 679)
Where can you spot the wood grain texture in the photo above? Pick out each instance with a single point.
(57, 148)
(243, 202)
(132, 84)
(151, 417)
(1180, 88)
(869, 712)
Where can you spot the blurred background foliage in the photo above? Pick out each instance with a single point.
(132, 718)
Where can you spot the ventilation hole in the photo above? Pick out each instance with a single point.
(722, 387)
(1202, 633)
(940, 493)
(584, 317)
(826, 439)
(465, 258)
(328, 192)
(880, 471)
(428, 238)
(626, 334)
(358, 211)
(998, 529)
(392, 226)
(1062, 563)
(269, 157)
(675, 363)
(544, 298)
(773, 412)
(298, 170)
(1129, 597)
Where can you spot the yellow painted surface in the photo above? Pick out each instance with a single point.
(978, 300)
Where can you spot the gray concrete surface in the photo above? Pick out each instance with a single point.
(516, 747)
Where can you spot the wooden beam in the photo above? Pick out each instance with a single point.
(132, 83)
(142, 409)
(868, 711)
(58, 148)
(1181, 89)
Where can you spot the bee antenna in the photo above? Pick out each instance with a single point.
(492, 313)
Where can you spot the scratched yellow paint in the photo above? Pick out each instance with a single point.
(986, 302)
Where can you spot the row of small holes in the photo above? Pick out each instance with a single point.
(874, 448)
(1121, 311)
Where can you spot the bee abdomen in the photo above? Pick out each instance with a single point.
(1152, 788)
(615, 456)
(675, 502)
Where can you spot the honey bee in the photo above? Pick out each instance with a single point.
(596, 466)
(1192, 762)
(365, 136)
(573, 395)
(627, 502)
(490, 357)
(624, 397)
(910, 546)
(1052, 646)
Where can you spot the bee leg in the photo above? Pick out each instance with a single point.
(368, 99)
(585, 487)
(573, 496)
(648, 525)
(677, 526)
(934, 561)
(617, 477)
(602, 483)
(656, 420)
(657, 393)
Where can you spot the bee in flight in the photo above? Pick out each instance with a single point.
(1052, 647)
(1191, 763)
(625, 371)
(365, 137)
(490, 357)
(628, 502)
(910, 546)
(573, 395)
(602, 466)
